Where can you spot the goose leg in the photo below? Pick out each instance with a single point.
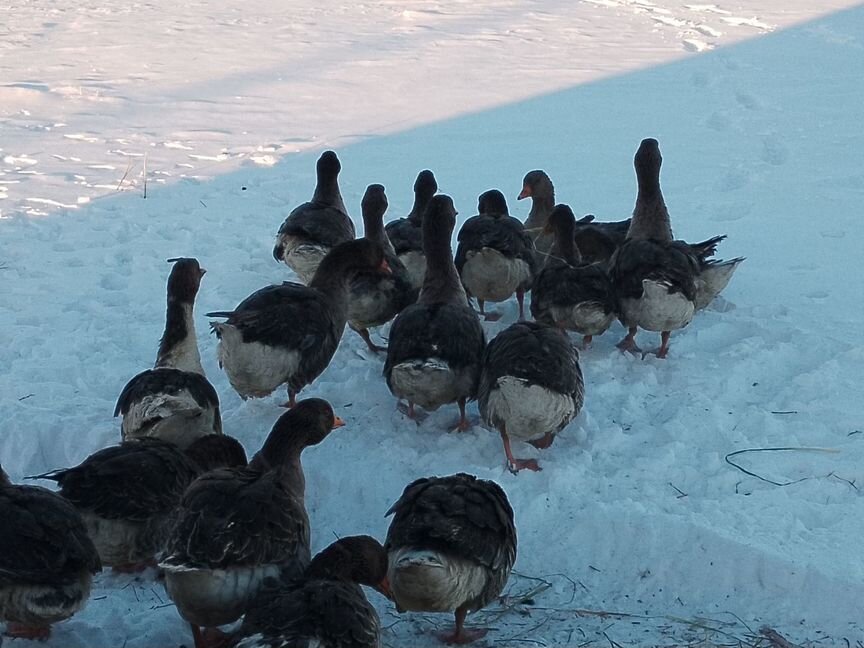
(460, 634)
(374, 348)
(292, 399)
(411, 412)
(629, 342)
(463, 425)
(586, 341)
(22, 631)
(515, 465)
(663, 351)
(489, 317)
(520, 299)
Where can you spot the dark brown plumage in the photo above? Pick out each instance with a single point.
(128, 494)
(377, 296)
(238, 526)
(288, 333)
(406, 234)
(531, 386)
(173, 401)
(567, 292)
(433, 355)
(459, 524)
(313, 228)
(325, 604)
(46, 559)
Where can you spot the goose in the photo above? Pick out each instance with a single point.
(47, 560)
(495, 256)
(450, 548)
(435, 345)
(597, 240)
(651, 221)
(288, 333)
(531, 387)
(314, 228)
(406, 234)
(568, 293)
(128, 494)
(173, 401)
(238, 526)
(325, 607)
(660, 281)
(377, 297)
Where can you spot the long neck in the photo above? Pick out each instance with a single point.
(333, 280)
(327, 192)
(441, 282)
(373, 230)
(565, 246)
(421, 201)
(542, 205)
(288, 466)
(650, 216)
(178, 348)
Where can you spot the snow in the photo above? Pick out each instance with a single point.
(757, 107)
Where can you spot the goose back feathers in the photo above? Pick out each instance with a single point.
(313, 228)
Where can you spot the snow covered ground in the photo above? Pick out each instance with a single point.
(758, 109)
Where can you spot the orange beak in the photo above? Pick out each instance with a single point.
(338, 422)
(525, 193)
(385, 267)
(384, 588)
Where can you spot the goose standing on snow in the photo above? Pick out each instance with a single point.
(173, 401)
(530, 388)
(651, 221)
(377, 297)
(326, 607)
(451, 546)
(568, 293)
(433, 356)
(539, 188)
(314, 228)
(46, 560)
(406, 234)
(238, 526)
(495, 256)
(597, 240)
(660, 281)
(128, 494)
(288, 333)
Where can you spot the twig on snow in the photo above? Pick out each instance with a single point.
(775, 638)
(781, 449)
(851, 482)
(128, 169)
(678, 490)
(612, 643)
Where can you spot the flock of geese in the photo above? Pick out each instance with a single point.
(231, 536)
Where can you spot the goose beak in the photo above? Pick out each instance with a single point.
(385, 267)
(203, 271)
(525, 193)
(338, 422)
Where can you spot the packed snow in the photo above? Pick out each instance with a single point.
(638, 531)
